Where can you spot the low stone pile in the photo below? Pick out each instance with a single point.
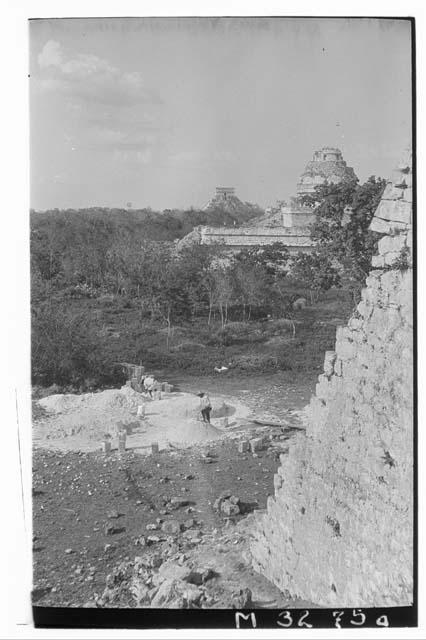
(227, 504)
(168, 578)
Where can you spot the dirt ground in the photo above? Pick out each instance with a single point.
(91, 511)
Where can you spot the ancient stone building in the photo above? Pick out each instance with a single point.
(287, 223)
(327, 165)
(339, 529)
(223, 196)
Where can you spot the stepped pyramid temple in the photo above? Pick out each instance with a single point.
(287, 223)
(338, 531)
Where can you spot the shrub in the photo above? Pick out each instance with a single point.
(66, 350)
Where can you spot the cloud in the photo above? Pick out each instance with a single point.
(91, 79)
(50, 55)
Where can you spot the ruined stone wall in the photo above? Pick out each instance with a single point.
(339, 529)
(298, 237)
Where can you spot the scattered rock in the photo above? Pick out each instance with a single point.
(171, 527)
(229, 508)
(177, 503)
(68, 551)
(152, 527)
(192, 596)
(201, 576)
(241, 599)
(171, 570)
(113, 514)
(188, 524)
(164, 594)
(193, 535)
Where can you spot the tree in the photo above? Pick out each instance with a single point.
(65, 349)
(224, 292)
(351, 244)
(316, 271)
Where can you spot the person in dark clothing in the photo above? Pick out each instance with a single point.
(205, 406)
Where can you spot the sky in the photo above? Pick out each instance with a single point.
(158, 112)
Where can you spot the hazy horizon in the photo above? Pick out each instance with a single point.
(158, 112)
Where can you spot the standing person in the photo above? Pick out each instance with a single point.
(205, 406)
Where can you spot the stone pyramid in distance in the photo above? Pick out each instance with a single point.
(226, 201)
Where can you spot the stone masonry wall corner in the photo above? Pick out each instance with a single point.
(339, 529)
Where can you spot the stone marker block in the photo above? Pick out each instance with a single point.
(155, 448)
(106, 446)
(141, 411)
(256, 444)
(243, 446)
(122, 435)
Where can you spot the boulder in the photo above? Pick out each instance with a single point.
(241, 599)
(229, 508)
(171, 570)
(177, 503)
(171, 527)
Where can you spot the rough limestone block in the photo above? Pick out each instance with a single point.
(377, 262)
(347, 349)
(243, 446)
(323, 388)
(391, 257)
(395, 211)
(408, 195)
(256, 444)
(122, 441)
(391, 244)
(155, 448)
(355, 323)
(380, 226)
(391, 192)
(329, 359)
(338, 367)
(278, 481)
